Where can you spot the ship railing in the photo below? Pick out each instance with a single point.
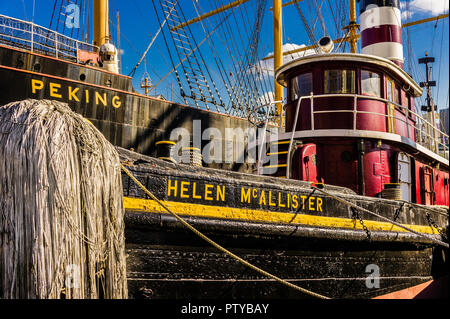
(30, 36)
(265, 114)
(426, 134)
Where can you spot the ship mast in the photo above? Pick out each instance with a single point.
(352, 27)
(100, 17)
(278, 55)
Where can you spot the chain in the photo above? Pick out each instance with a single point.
(432, 223)
(357, 215)
(397, 211)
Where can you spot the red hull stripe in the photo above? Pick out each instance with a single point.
(382, 33)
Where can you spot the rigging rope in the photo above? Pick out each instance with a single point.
(217, 58)
(177, 77)
(151, 42)
(213, 101)
(308, 30)
(319, 14)
(241, 85)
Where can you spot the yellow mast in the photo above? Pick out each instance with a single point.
(278, 54)
(353, 26)
(101, 30)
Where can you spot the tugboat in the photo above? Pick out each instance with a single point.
(351, 121)
(354, 200)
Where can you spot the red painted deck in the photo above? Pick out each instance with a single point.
(433, 289)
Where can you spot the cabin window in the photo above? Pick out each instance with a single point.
(393, 94)
(370, 83)
(339, 81)
(393, 97)
(301, 85)
(409, 102)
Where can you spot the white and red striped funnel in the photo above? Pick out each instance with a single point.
(381, 29)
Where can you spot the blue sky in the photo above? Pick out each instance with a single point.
(138, 23)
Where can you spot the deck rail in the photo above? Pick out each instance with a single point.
(30, 36)
(426, 134)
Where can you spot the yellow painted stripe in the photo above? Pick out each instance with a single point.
(221, 212)
(277, 153)
(282, 142)
(278, 165)
(165, 142)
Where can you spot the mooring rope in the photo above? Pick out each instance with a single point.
(437, 241)
(213, 243)
(61, 206)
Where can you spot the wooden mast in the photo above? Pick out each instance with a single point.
(353, 26)
(278, 55)
(101, 30)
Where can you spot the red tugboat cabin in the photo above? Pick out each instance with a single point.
(356, 126)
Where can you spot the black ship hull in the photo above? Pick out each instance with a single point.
(317, 247)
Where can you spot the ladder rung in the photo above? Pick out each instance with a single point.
(183, 48)
(182, 41)
(174, 9)
(193, 69)
(176, 21)
(174, 32)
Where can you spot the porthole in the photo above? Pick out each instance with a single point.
(37, 67)
(108, 83)
(82, 76)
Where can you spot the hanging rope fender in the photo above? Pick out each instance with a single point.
(213, 243)
(437, 241)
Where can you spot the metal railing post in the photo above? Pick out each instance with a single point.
(407, 120)
(263, 139)
(355, 110)
(56, 44)
(294, 128)
(312, 111)
(32, 36)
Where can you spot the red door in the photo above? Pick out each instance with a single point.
(426, 186)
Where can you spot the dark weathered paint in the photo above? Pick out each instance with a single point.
(165, 260)
(138, 123)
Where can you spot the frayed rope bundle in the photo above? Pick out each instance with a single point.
(61, 206)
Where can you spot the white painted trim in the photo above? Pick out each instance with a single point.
(377, 16)
(387, 50)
